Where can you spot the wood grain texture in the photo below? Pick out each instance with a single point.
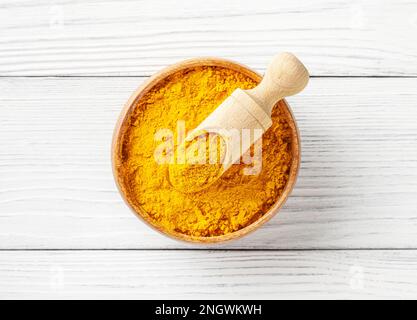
(357, 186)
(102, 37)
(208, 274)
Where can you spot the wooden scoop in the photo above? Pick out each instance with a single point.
(251, 110)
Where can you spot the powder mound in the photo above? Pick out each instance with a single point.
(231, 202)
(198, 163)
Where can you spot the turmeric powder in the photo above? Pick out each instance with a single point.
(202, 164)
(234, 200)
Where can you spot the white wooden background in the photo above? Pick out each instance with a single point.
(349, 230)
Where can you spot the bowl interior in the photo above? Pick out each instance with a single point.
(119, 153)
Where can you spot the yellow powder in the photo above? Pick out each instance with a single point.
(202, 165)
(233, 201)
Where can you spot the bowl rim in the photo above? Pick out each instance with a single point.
(123, 124)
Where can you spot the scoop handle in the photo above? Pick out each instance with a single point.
(285, 76)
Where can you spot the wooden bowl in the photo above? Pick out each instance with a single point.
(124, 123)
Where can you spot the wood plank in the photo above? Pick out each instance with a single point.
(357, 186)
(205, 274)
(103, 37)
